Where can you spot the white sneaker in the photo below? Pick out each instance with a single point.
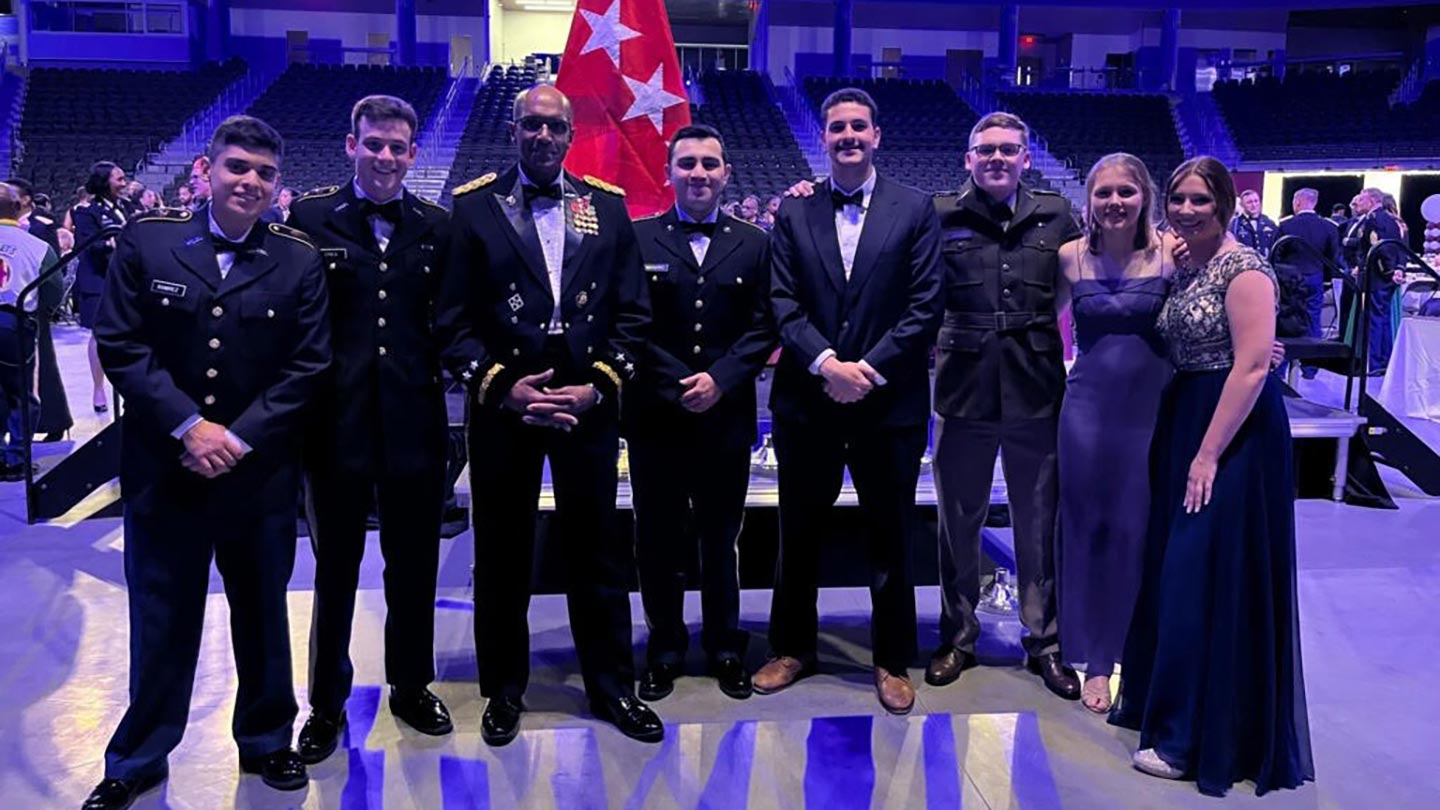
(1147, 761)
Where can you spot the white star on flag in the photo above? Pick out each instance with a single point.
(607, 32)
(651, 99)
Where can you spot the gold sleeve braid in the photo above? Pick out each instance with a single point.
(489, 378)
(610, 372)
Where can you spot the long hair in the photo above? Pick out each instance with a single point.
(1217, 181)
(1145, 234)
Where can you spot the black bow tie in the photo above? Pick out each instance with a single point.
(841, 199)
(390, 211)
(691, 228)
(550, 192)
(250, 243)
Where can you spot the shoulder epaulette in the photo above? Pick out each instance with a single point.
(1047, 192)
(316, 193)
(43, 219)
(477, 183)
(751, 224)
(292, 233)
(166, 215)
(603, 186)
(948, 193)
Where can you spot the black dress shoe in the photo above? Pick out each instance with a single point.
(658, 681)
(501, 721)
(118, 794)
(730, 674)
(281, 770)
(947, 664)
(320, 737)
(1058, 678)
(421, 710)
(634, 719)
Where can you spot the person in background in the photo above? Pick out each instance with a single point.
(149, 201)
(1252, 228)
(23, 257)
(750, 208)
(1212, 676)
(184, 197)
(1324, 240)
(106, 183)
(54, 416)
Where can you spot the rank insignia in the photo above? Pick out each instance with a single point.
(583, 218)
(582, 299)
(516, 302)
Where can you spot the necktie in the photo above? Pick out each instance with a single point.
(551, 192)
(692, 228)
(390, 212)
(841, 199)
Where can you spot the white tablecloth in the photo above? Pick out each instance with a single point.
(1412, 381)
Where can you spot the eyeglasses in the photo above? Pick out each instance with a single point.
(988, 150)
(534, 123)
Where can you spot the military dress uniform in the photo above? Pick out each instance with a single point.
(999, 381)
(501, 319)
(709, 291)
(377, 432)
(89, 220)
(192, 326)
(1258, 233)
(1363, 234)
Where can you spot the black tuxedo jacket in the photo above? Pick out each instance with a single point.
(380, 408)
(713, 318)
(886, 313)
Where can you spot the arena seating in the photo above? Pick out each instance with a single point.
(1080, 128)
(761, 147)
(485, 146)
(75, 117)
(1315, 115)
(310, 106)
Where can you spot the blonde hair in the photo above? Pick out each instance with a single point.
(1146, 236)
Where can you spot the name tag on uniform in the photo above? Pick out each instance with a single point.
(333, 254)
(657, 268)
(168, 288)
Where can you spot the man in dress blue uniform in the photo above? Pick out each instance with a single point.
(690, 422)
(1320, 234)
(378, 428)
(856, 294)
(214, 330)
(999, 382)
(544, 311)
(1371, 226)
(1252, 228)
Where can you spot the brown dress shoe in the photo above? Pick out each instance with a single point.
(946, 665)
(778, 673)
(896, 693)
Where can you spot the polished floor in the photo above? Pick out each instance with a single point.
(1369, 586)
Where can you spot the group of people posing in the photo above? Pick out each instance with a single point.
(1151, 504)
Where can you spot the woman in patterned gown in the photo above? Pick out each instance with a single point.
(1211, 674)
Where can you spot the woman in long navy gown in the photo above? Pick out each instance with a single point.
(1118, 274)
(1211, 675)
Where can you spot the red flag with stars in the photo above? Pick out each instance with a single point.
(628, 95)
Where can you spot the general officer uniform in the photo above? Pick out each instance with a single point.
(709, 292)
(377, 433)
(546, 278)
(999, 381)
(194, 326)
(91, 219)
(1259, 232)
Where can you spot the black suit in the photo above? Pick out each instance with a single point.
(712, 317)
(496, 309)
(245, 352)
(886, 314)
(999, 382)
(1321, 235)
(376, 434)
(54, 407)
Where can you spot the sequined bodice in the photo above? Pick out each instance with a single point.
(1193, 319)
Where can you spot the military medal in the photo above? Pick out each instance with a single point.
(582, 216)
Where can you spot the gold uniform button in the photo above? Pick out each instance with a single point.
(209, 399)
(211, 373)
(269, 313)
(699, 328)
(164, 302)
(217, 312)
(332, 265)
(384, 267)
(380, 323)
(1005, 292)
(426, 268)
(589, 318)
(695, 350)
(514, 319)
(589, 349)
(214, 343)
(699, 304)
(700, 280)
(515, 352)
(512, 286)
(383, 295)
(383, 351)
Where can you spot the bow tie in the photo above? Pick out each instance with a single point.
(250, 243)
(841, 199)
(390, 211)
(550, 192)
(692, 228)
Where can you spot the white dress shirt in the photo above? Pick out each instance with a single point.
(550, 227)
(849, 224)
(699, 242)
(380, 226)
